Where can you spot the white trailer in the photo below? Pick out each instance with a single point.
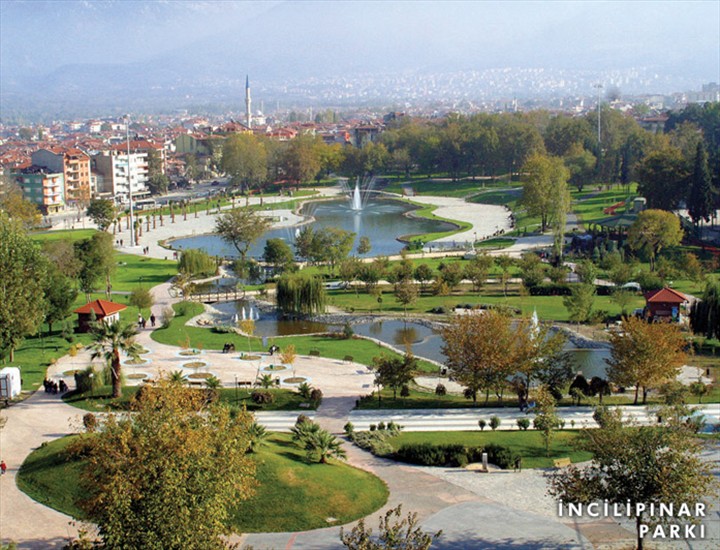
(10, 385)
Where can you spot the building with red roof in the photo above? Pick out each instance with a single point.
(107, 312)
(665, 304)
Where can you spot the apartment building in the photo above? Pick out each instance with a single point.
(111, 170)
(75, 166)
(43, 187)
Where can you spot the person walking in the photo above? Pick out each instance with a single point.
(3, 467)
(152, 320)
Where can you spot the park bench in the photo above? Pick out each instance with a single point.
(561, 462)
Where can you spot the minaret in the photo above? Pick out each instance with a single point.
(248, 112)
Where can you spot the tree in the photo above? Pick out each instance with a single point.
(196, 263)
(477, 270)
(406, 292)
(300, 294)
(278, 253)
(60, 294)
(245, 158)
(700, 198)
(97, 258)
(586, 272)
(580, 302)
(480, 351)
(154, 479)
(663, 177)
(109, 339)
(102, 212)
(451, 273)
(364, 246)
(623, 298)
(321, 445)
(581, 165)
(546, 420)
(545, 192)
(505, 262)
(705, 313)
(654, 230)
(61, 255)
(394, 534)
(301, 160)
(394, 372)
(257, 437)
(645, 354)
(241, 227)
(22, 281)
(636, 464)
(141, 298)
(16, 206)
(424, 274)
(158, 181)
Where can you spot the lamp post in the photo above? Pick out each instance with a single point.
(236, 388)
(599, 87)
(129, 178)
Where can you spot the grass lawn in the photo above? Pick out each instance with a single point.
(549, 308)
(528, 444)
(436, 188)
(426, 211)
(590, 203)
(101, 401)
(361, 350)
(71, 235)
(293, 495)
(133, 271)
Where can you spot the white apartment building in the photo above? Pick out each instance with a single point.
(111, 169)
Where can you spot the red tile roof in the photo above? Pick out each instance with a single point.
(665, 295)
(101, 308)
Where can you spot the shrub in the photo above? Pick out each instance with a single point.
(223, 329)
(494, 422)
(348, 331)
(440, 390)
(305, 389)
(375, 442)
(523, 423)
(90, 422)
(405, 391)
(316, 396)
(482, 424)
(72, 352)
(197, 263)
(262, 397)
(302, 419)
(183, 309)
(349, 428)
(167, 316)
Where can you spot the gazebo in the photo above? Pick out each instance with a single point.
(664, 304)
(108, 312)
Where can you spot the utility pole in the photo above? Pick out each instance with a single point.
(599, 87)
(132, 221)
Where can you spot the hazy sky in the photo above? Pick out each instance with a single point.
(45, 35)
(63, 49)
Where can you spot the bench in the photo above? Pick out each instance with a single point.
(561, 462)
(248, 383)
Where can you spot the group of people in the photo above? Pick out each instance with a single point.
(55, 387)
(229, 347)
(142, 322)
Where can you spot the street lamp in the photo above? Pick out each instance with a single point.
(599, 87)
(129, 178)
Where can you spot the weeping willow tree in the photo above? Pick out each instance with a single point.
(705, 313)
(300, 294)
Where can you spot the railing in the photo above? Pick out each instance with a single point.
(217, 296)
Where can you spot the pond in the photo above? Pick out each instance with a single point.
(425, 342)
(267, 323)
(381, 220)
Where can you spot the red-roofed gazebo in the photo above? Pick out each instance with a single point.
(108, 312)
(664, 303)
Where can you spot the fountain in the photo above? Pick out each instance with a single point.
(356, 200)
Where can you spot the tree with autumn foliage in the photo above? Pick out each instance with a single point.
(167, 476)
(645, 354)
(479, 351)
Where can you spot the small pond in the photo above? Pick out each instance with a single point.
(425, 342)
(267, 323)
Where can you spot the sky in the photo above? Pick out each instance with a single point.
(55, 47)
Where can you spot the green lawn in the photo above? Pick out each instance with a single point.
(436, 188)
(528, 444)
(71, 235)
(293, 495)
(590, 203)
(100, 400)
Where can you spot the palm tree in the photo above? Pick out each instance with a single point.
(109, 339)
(266, 381)
(323, 445)
(302, 431)
(177, 377)
(257, 434)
